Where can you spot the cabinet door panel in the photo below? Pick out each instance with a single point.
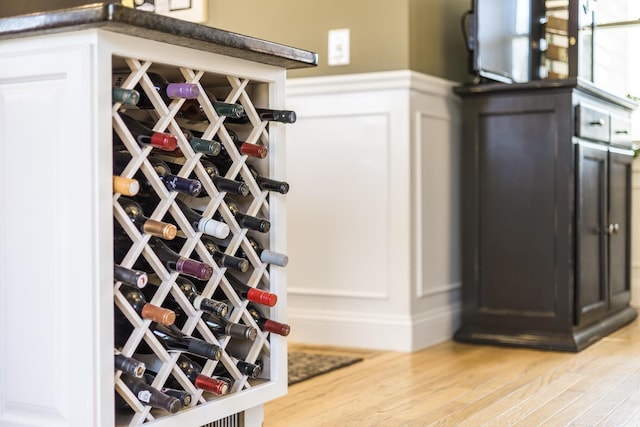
(517, 205)
(591, 180)
(620, 237)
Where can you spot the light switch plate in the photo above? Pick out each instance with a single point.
(339, 46)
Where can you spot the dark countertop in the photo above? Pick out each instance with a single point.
(569, 83)
(120, 19)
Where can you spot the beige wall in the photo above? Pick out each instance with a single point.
(421, 35)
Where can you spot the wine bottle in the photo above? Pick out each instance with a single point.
(205, 146)
(267, 324)
(151, 396)
(224, 184)
(145, 224)
(183, 396)
(175, 340)
(125, 96)
(209, 226)
(125, 186)
(266, 114)
(223, 326)
(244, 148)
(172, 182)
(246, 221)
(192, 110)
(175, 262)
(195, 298)
(267, 256)
(128, 365)
(192, 187)
(252, 294)
(129, 276)
(167, 90)
(252, 370)
(222, 258)
(268, 184)
(191, 369)
(146, 136)
(136, 299)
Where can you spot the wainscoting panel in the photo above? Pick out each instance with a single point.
(373, 233)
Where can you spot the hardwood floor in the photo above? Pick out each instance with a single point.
(455, 384)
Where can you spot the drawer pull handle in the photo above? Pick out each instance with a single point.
(613, 228)
(622, 132)
(599, 122)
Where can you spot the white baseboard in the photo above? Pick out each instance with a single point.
(373, 331)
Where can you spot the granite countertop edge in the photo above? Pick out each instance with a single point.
(117, 18)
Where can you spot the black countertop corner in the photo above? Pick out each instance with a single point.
(120, 19)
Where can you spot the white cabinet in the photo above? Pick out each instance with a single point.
(57, 216)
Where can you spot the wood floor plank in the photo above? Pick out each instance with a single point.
(454, 384)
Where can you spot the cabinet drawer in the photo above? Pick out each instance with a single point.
(592, 123)
(620, 130)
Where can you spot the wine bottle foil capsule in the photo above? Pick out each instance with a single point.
(277, 327)
(274, 258)
(194, 268)
(182, 90)
(214, 228)
(161, 229)
(262, 297)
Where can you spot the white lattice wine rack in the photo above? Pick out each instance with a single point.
(164, 118)
(61, 81)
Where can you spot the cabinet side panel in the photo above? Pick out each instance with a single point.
(45, 221)
(517, 212)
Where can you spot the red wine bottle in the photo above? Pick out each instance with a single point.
(175, 262)
(246, 149)
(252, 294)
(151, 396)
(146, 136)
(267, 324)
(129, 276)
(222, 326)
(191, 369)
(128, 365)
(145, 224)
(136, 298)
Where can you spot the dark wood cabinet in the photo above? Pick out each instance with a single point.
(546, 213)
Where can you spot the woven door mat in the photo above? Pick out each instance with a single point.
(303, 366)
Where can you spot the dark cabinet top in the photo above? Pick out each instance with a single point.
(548, 84)
(117, 18)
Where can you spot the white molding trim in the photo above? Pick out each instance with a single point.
(374, 330)
(368, 82)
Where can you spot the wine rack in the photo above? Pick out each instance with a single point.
(166, 118)
(56, 73)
